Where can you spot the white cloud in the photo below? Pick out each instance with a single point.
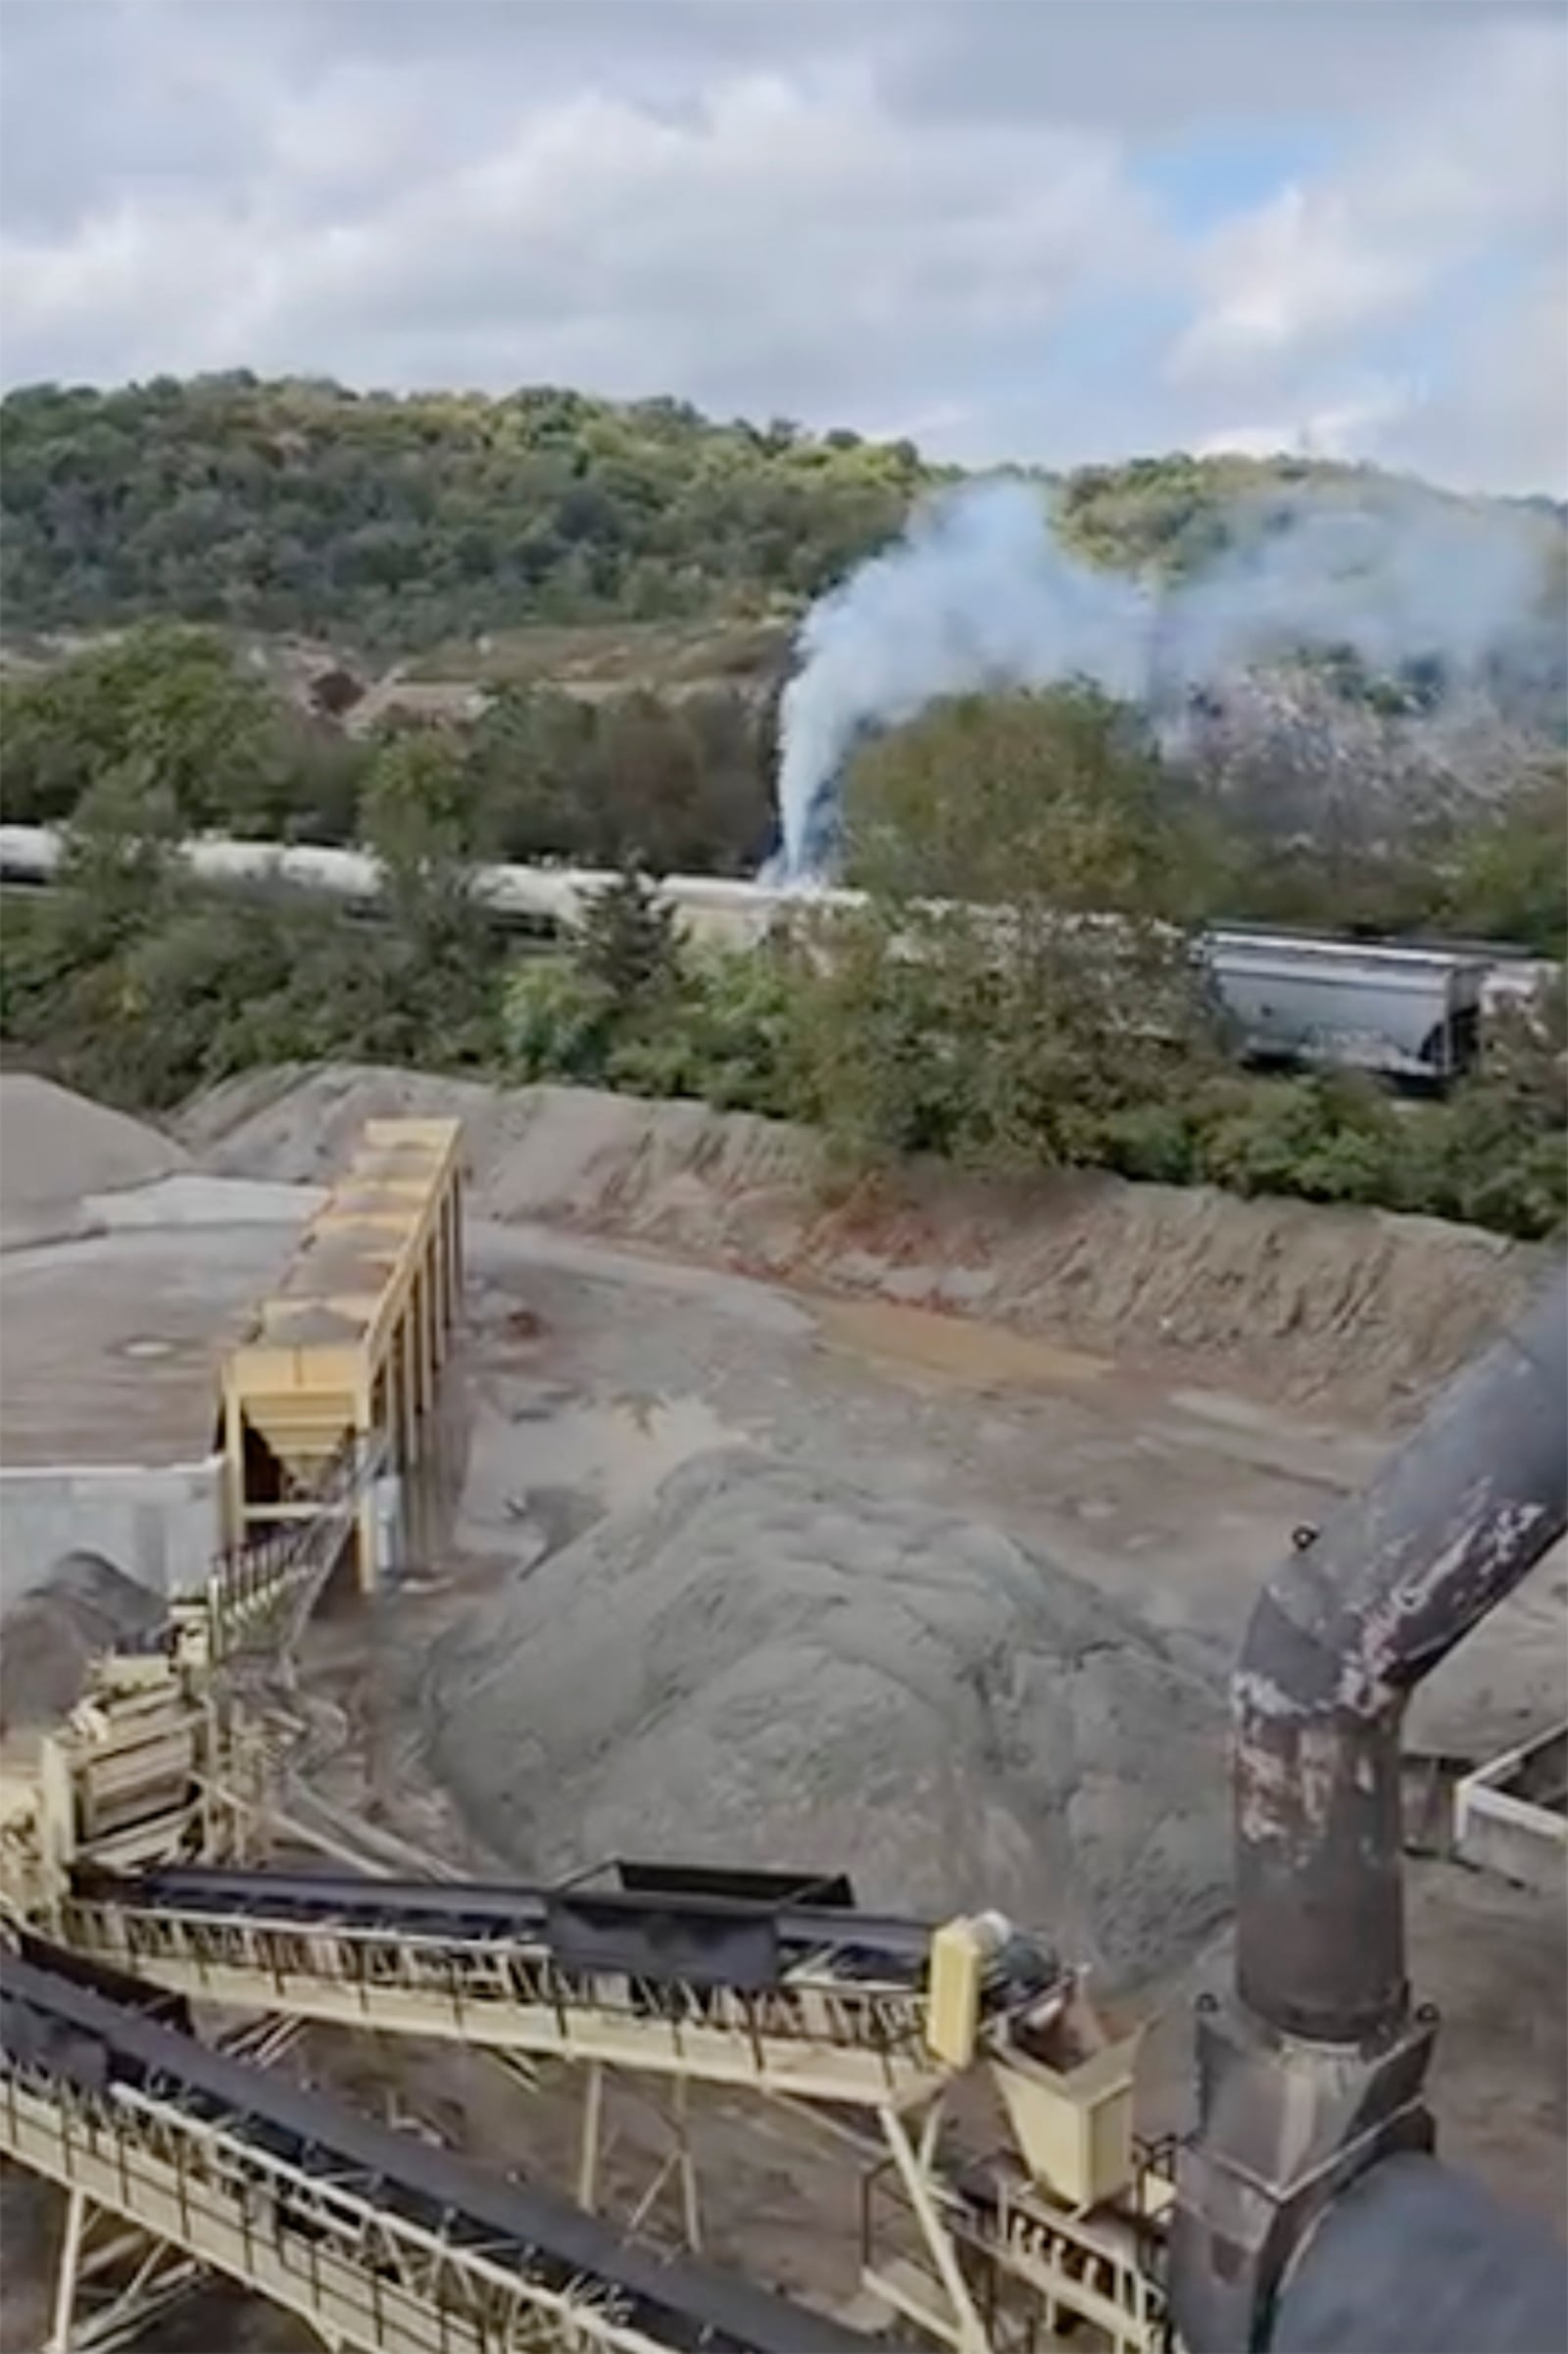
(1500, 421)
(1354, 427)
(939, 217)
(1480, 154)
(784, 237)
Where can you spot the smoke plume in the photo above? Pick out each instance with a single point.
(981, 592)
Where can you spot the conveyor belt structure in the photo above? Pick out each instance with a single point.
(376, 2238)
(817, 2000)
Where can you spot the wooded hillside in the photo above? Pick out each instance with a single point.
(396, 523)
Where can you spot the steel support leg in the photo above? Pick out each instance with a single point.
(593, 2108)
(917, 2182)
(66, 2278)
(691, 2211)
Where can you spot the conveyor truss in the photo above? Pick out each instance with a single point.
(732, 1980)
(133, 1871)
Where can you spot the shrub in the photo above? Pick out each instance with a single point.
(1331, 1138)
(557, 1024)
(1154, 1141)
(627, 946)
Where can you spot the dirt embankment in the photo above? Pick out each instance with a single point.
(1360, 1311)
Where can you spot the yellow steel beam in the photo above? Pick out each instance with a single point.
(351, 1339)
(836, 2040)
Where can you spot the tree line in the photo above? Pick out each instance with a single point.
(169, 716)
(921, 1023)
(1296, 804)
(400, 521)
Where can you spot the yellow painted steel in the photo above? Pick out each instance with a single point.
(822, 2039)
(361, 2276)
(350, 1344)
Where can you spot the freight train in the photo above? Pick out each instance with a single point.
(1415, 1011)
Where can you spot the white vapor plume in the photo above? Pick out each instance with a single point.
(980, 592)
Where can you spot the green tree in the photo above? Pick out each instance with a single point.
(419, 808)
(421, 816)
(986, 1004)
(405, 520)
(1509, 875)
(162, 711)
(1054, 800)
(626, 945)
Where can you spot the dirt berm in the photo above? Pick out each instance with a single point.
(1359, 1309)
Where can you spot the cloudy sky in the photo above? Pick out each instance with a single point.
(1008, 227)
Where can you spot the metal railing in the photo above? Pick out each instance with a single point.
(812, 2035)
(249, 1585)
(358, 2271)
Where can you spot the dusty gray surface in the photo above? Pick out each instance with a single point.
(123, 1274)
(109, 1346)
(57, 1147)
(593, 1387)
(805, 1673)
(1172, 1500)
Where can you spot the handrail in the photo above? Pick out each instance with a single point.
(379, 2240)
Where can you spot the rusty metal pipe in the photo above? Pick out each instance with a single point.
(1341, 1635)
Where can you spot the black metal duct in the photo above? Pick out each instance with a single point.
(1414, 2258)
(1340, 1638)
(1311, 2077)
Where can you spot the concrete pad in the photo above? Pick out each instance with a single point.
(112, 1344)
(110, 1351)
(192, 1201)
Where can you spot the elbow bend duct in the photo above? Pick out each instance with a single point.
(1310, 2078)
(1416, 2260)
(1338, 1642)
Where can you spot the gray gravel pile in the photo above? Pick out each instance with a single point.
(50, 1636)
(763, 1666)
(56, 1148)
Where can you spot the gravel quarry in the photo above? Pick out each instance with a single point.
(58, 1148)
(907, 1532)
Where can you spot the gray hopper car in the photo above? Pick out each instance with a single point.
(1410, 1013)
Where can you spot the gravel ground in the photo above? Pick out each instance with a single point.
(805, 1673)
(707, 1566)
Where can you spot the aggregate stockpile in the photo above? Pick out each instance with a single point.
(48, 1639)
(766, 1667)
(58, 1148)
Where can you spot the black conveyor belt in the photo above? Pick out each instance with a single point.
(72, 2033)
(660, 1934)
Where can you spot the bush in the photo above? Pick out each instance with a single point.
(626, 946)
(1331, 1138)
(719, 1027)
(1152, 1142)
(557, 1024)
